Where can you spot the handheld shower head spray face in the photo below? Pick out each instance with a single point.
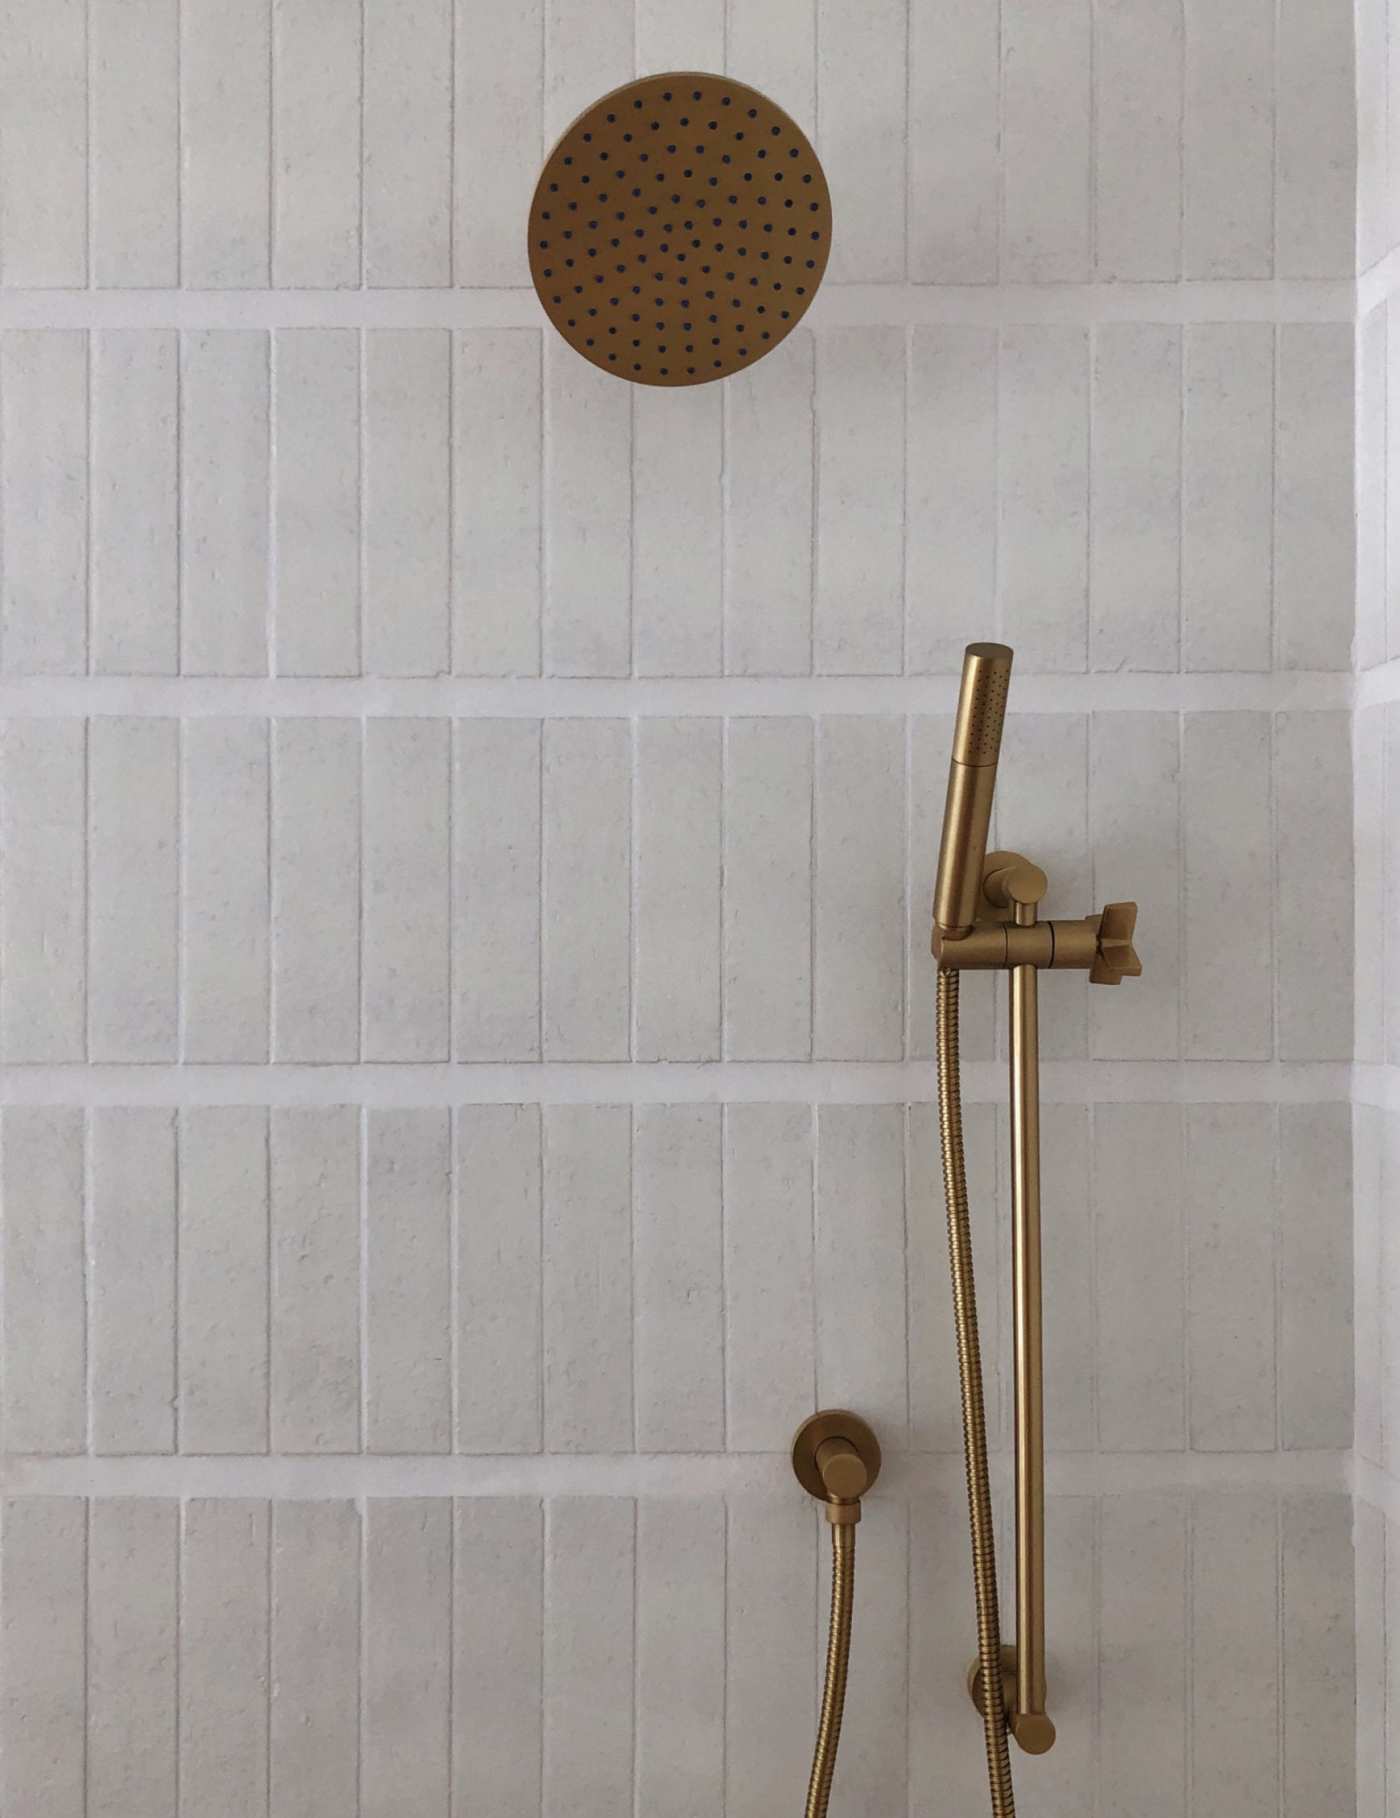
(972, 775)
(679, 229)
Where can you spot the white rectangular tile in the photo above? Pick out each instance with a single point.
(1392, 1623)
(1139, 1277)
(587, 1304)
(1369, 1284)
(1391, 785)
(406, 890)
(408, 1279)
(770, 1646)
(1068, 1273)
(677, 568)
(498, 1567)
(133, 829)
(954, 103)
(223, 1668)
(676, 979)
(589, 1655)
(858, 945)
(42, 1645)
(131, 1246)
(1043, 809)
(497, 101)
(44, 1286)
(1043, 468)
(861, 93)
(222, 1249)
(1371, 504)
(1046, 107)
(315, 1311)
(767, 889)
(1392, 458)
(43, 907)
(1234, 1616)
(1319, 1662)
(1228, 1010)
(1313, 861)
(406, 1709)
(1228, 140)
(224, 890)
(317, 54)
(1227, 502)
(773, 48)
(1230, 1239)
(1388, 1299)
(769, 427)
(588, 45)
(1314, 142)
(1138, 54)
(224, 505)
(678, 1279)
(1142, 1657)
(862, 1343)
(44, 500)
(1314, 527)
(407, 510)
(497, 475)
(1367, 878)
(1135, 832)
(679, 34)
(408, 142)
(225, 143)
(951, 529)
(496, 889)
(134, 159)
(587, 811)
(43, 188)
(769, 1331)
(497, 1221)
(315, 1657)
(315, 890)
(133, 1598)
(135, 574)
(1315, 1351)
(1371, 1649)
(587, 606)
(858, 610)
(316, 501)
(1135, 497)
(680, 1745)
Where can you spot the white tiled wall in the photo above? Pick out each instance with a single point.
(465, 1007)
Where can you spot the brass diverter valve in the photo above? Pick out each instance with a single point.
(1006, 933)
(836, 1458)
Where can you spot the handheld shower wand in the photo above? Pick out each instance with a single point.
(972, 778)
(985, 917)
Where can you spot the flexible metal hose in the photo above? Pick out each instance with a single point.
(838, 1655)
(979, 1494)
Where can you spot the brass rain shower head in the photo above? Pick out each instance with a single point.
(679, 229)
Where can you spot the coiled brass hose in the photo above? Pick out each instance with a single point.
(979, 1494)
(838, 1655)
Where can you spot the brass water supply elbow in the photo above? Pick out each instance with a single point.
(836, 1458)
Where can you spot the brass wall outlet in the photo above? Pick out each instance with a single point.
(836, 1458)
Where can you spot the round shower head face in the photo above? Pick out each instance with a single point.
(679, 229)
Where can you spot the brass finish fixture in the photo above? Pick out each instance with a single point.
(986, 917)
(836, 1458)
(680, 229)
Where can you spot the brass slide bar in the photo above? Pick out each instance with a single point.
(986, 917)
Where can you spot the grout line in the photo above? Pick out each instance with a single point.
(426, 1084)
(1338, 300)
(907, 1474)
(709, 697)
